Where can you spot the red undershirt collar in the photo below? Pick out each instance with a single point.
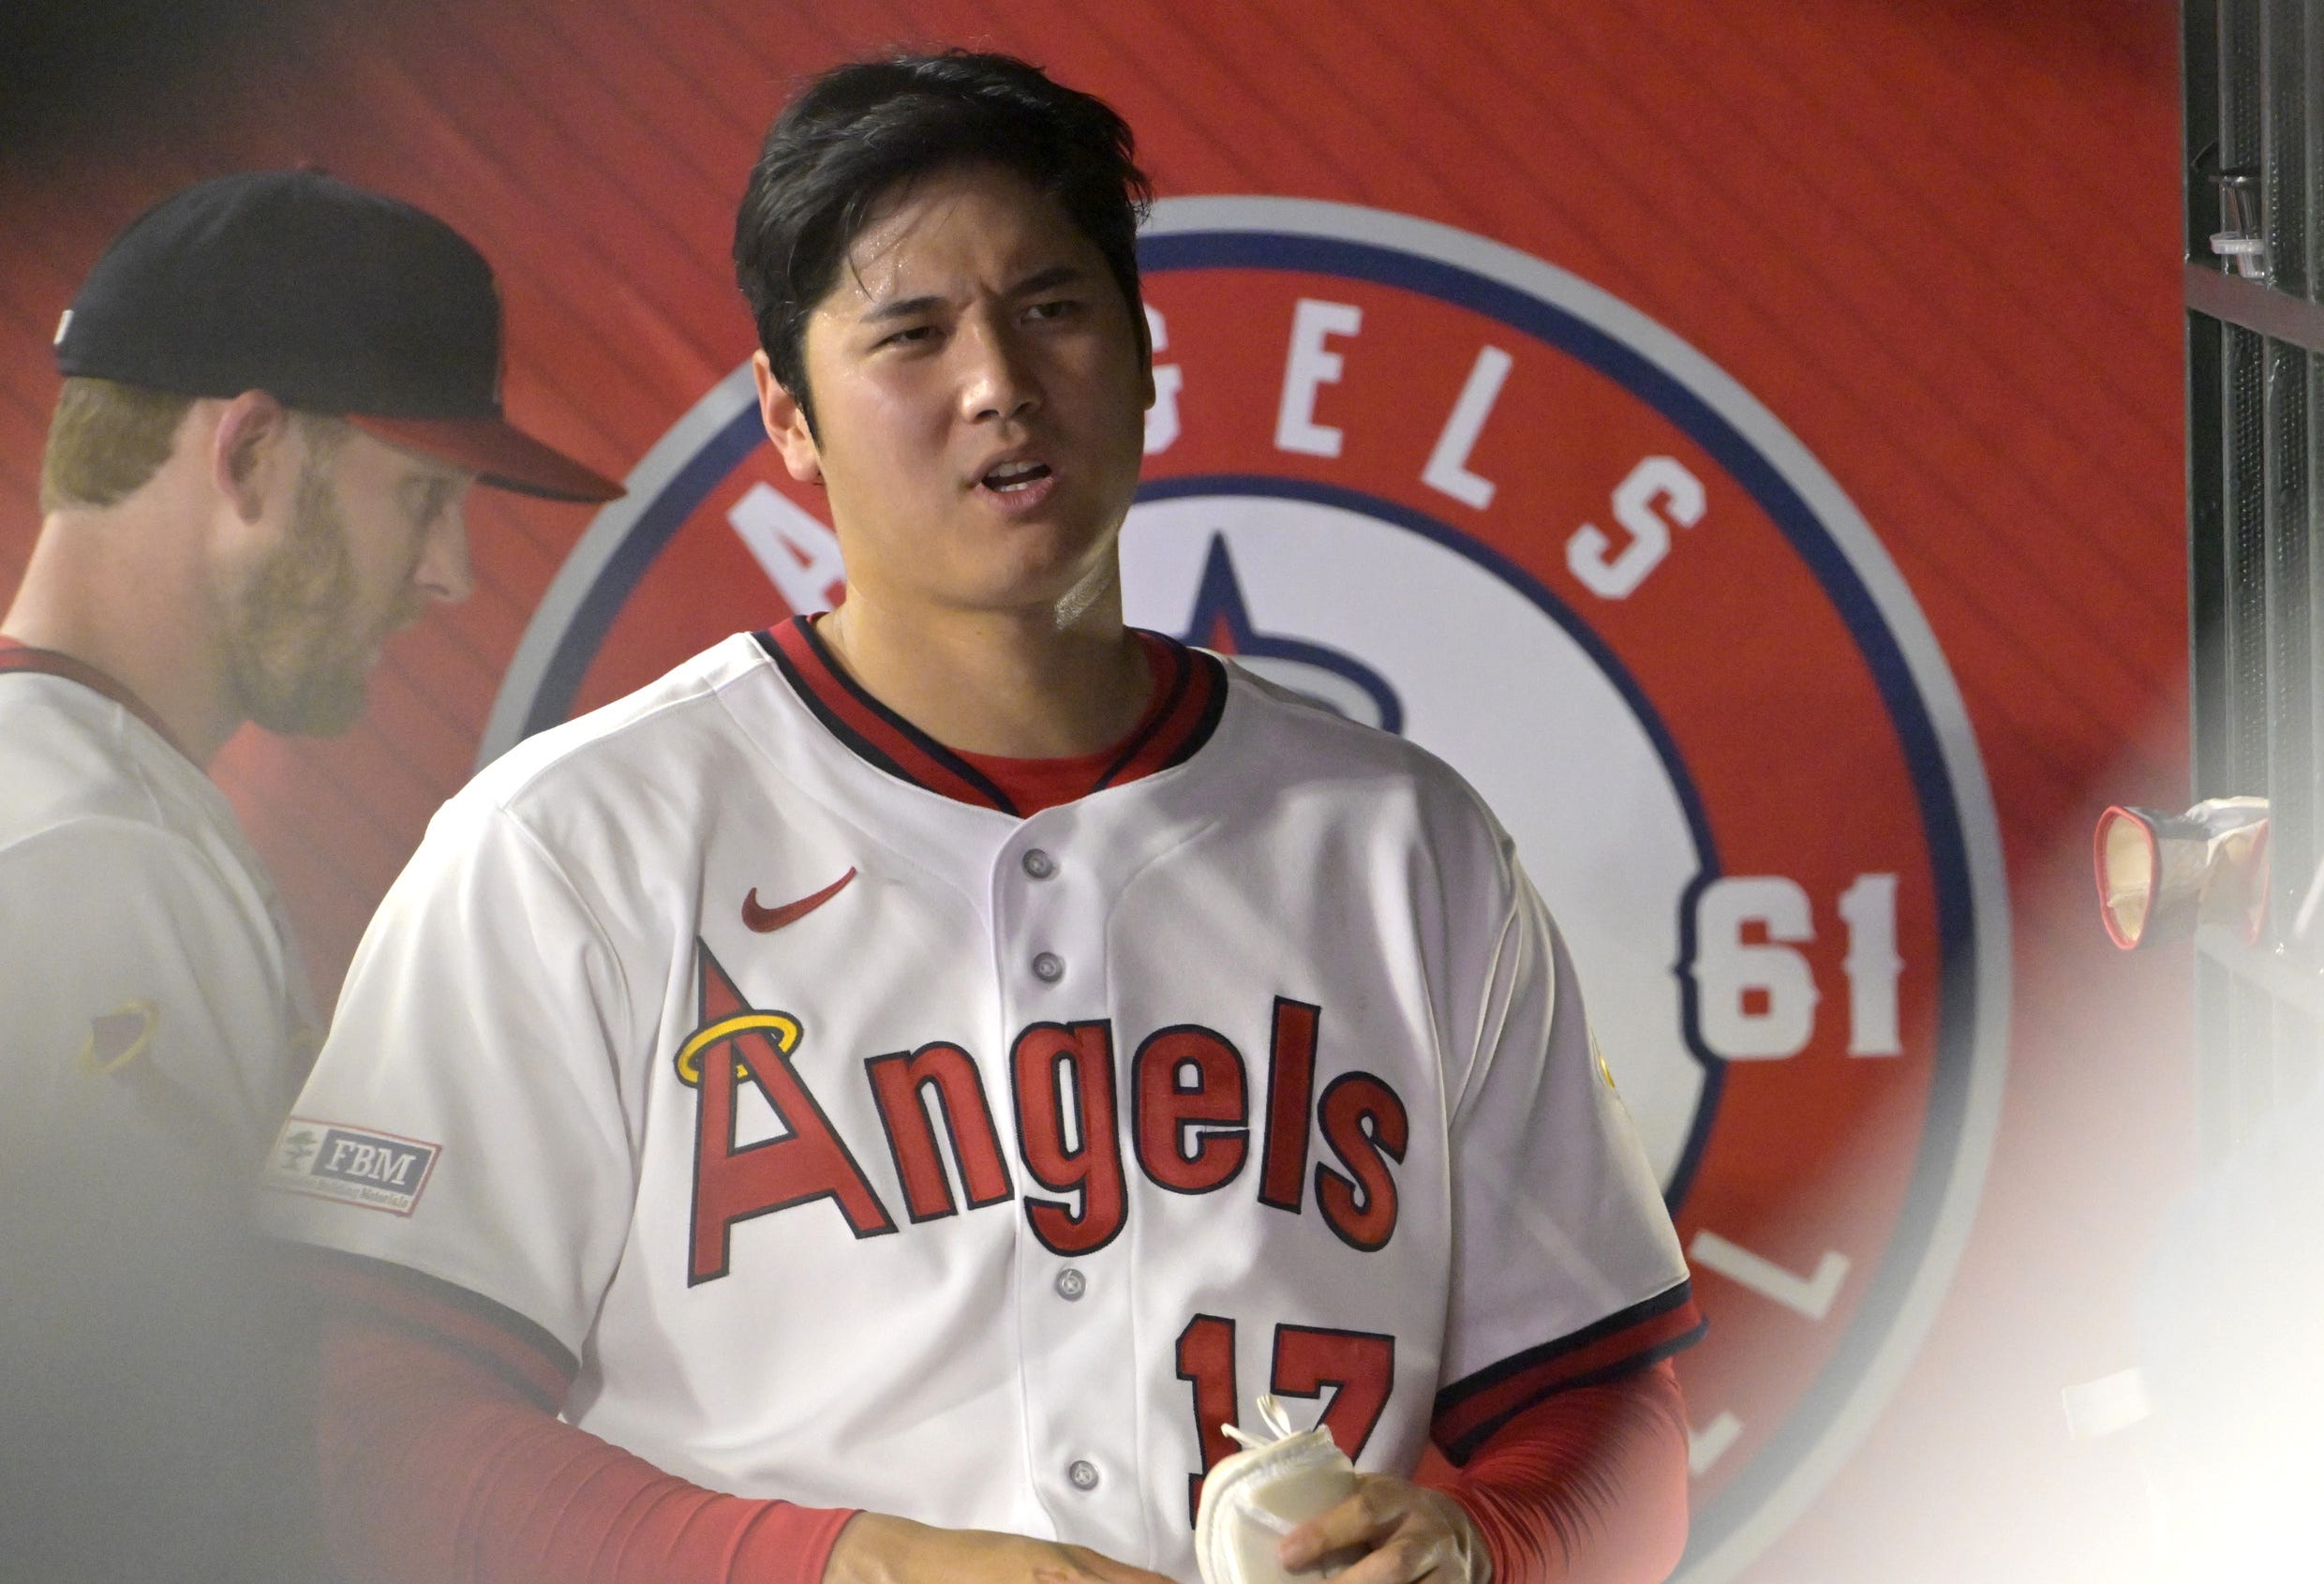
(1190, 694)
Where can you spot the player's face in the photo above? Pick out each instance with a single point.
(372, 533)
(977, 388)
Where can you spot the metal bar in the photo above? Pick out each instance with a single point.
(2244, 579)
(2284, 143)
(2276, 315)
(2207, 558)
(2311, 121)
(2241, 86)
(2288, 577)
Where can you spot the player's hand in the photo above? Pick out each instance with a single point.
(1409, 1534)
(879, 1548)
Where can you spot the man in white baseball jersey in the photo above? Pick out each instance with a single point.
(900, 1085)
(279, 388)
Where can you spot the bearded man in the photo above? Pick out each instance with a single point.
(279, 390)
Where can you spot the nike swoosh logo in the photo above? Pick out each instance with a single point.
(765, 920)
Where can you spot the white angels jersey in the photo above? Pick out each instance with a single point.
(837, 1134)
(145, 960)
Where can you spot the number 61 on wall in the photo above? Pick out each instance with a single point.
(1755, 999)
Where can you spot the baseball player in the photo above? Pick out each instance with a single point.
(880, 1102)
(279, 388)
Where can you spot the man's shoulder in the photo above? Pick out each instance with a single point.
(1294, 737)
(1292, 760)
(67, 754)
(96, 888)
(662, 730)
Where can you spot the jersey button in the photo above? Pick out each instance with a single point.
(1040, 864)
(1083, 1473)
(1071, 1284)
(1049, 968)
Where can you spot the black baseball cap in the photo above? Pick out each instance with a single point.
(329, 298)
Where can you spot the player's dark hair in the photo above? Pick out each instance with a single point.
(854, 133)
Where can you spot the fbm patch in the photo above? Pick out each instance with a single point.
(354, 1166)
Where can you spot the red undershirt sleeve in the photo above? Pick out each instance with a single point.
(439, 1462)
(1586, 1487)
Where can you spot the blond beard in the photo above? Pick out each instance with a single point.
(294, 662)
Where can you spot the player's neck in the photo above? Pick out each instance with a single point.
(1023, 685)
(93, 592)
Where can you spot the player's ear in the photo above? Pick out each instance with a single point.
(250, 430)
(786, 423)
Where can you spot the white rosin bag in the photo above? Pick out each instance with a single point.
(1253, 1499)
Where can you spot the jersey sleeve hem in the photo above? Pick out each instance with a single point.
(1472, 1408)
(514, 1349)
(788, 1542)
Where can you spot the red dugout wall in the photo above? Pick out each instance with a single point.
(1934, 250)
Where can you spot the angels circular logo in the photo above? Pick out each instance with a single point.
(1452, 492)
